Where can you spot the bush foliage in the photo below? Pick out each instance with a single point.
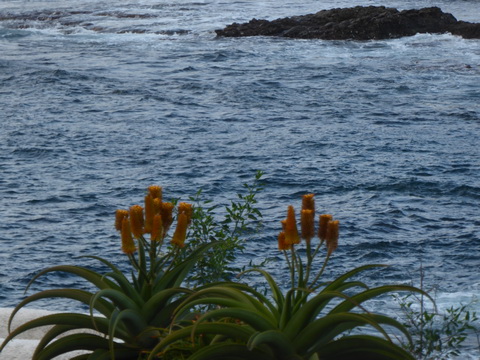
(180, 300)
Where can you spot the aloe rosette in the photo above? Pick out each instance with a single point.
(312, 320)
(127, 318)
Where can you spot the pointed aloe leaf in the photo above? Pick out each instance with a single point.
(363, 347)
(127, 287)
(121, 300)
(177, 275)
(228, 351)
(328, 334)
(229, 293)
(164, 317)
(334, 285)
(119, 354)
(82, 296)
(91, 276)
(252, 318)
(99, 354)
(88, 342)
(286, 310)
(386, 320)
(83, 357)
(104, 261)
(220, 302)
(52, 334)
(162, 299)
(80, 321)
(275, 290)
(71, 343)
(326, 328)
(350, 285)
(130, 320)
(277, 341)
(247, 301)
(356, 300)
(259, 296)
(228, 330)
(101, 326)
(309, 311)
(299, 299)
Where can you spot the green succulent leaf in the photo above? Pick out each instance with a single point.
(71, 343)
(88, 342)
(249, 317)
(91, 276)
(249, 290)
(126, 287)
(309, 311)
(177, 274)
(51, 335)
(363, 347)
(121, 300)
(327, 328)
(104, 307)
(78, 321)
(356, 300)
(228, 351)
(277, 341)
(212, 294)
(338, 282)
(129, 320)
(104, 261)
(227, 330)
(275, 290)
(161, 299)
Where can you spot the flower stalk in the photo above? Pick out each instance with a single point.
(328, 232)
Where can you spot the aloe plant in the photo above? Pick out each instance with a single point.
(312, 320)
(127, 317)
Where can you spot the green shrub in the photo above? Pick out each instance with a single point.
(177, 305)
(240, 218)
(436, 335)
(312, 320)
(127, 317)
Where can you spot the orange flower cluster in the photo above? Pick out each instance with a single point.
(155, 218)
(328, 229)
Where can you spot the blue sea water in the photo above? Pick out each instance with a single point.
(98, 100)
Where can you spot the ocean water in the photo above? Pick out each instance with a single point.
(98, 100)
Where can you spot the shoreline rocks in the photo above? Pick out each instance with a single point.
(357, 23)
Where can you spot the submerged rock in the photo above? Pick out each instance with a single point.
(357, 23)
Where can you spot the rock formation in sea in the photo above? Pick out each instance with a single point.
(357, 23)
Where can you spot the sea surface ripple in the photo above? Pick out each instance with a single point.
(99, 100)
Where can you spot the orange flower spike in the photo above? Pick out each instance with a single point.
(149, 213)
(323, 221)
(155, 191)
(187, 209)
(157, 206)
(136, 220)
(180, 233)
(157, 228)
(167, 215)
(308, 202)
(284, 224)
(308, 224)
(128, 245)
(291, 230)
(332, 236)
(119, 216)
(281, 242)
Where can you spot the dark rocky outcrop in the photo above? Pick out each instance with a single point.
(357, 23)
